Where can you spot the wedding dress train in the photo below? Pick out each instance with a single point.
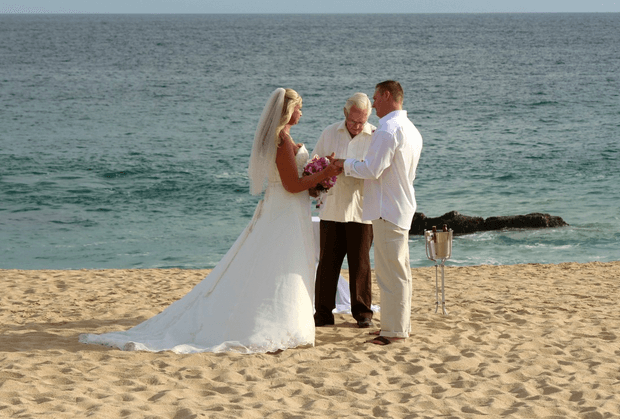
(257, 299)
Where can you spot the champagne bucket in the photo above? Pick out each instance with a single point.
(438, 244)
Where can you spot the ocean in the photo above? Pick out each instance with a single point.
(125, 139)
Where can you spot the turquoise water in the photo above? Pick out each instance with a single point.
(124, 139)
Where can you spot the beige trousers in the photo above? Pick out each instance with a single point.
(393, 273)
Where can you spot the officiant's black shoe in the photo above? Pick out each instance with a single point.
(364, 323)
(321, 323)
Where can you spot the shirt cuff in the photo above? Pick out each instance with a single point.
(348, 166)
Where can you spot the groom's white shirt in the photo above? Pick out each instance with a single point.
(389, 170)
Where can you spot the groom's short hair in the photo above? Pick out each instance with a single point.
(393, 87)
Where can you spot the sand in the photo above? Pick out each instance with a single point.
(522, 341)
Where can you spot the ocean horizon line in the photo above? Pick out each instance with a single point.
(292, 14)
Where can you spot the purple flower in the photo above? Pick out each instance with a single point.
(317, 164)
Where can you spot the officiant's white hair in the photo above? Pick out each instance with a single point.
(291, 99)
(360, 101)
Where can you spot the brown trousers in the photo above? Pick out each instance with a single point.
(337, 240)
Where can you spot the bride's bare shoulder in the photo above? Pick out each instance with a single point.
(287, 144)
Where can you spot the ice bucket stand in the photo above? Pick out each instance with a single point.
(439, 249)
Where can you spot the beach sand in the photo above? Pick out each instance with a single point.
(522, 341)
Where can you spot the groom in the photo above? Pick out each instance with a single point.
(389, 202)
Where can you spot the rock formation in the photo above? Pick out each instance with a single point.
(464, 224)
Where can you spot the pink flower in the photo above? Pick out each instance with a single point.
(316, 165)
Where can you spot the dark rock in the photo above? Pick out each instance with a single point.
(464, 224)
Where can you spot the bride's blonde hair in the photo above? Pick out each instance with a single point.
(291, 99)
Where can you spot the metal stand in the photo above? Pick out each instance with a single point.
(439, 249)
(443, 291)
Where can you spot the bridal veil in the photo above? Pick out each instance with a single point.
(263, 157)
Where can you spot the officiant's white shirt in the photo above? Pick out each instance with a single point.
(343, 202)
(389, 170)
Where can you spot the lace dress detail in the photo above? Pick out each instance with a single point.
(257, 299)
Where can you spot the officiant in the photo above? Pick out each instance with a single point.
(342, 231)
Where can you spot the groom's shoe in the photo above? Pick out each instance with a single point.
(364, 323)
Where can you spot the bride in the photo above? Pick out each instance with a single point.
(259, 297)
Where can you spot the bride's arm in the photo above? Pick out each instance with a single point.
(287, 167)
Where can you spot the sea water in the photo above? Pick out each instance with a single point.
(125, 139)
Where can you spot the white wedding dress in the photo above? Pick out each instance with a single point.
(257, 299)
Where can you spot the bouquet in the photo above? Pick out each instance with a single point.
(316, 165)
